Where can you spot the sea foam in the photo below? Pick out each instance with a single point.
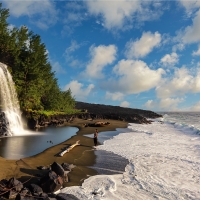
(164, 163)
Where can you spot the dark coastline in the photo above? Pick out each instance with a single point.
(92, 112)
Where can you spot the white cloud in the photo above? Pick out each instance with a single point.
(179, 46)
(196, 53)
(101, 56)
(73, 47)
(134, 77)
(170, 103)
(170, 59)
(143, 46)
(125, 104)
(191, 33)
(196, 107)
(73, 16)
(70, 59)
(56, 67)
(44, 11)
(190, 5)
(116, 96)
(122, 14)
(181, 83)
(150, 104)
(114, 13)
(11, 27)
(165, 104)
(78, 89)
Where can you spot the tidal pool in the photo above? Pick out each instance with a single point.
(17, 147)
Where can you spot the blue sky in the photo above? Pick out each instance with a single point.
(137, 54)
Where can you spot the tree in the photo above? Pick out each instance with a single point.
(6, 42)
(27, 58)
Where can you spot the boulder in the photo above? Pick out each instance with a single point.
(58, 169)
(51, 182)
(63, 196)
(11, 194)
(4, 125)
(67, 167)
(14, 184)
(41, 167)
(25, 194)
(3, 186)
(44, 196)
(35, 189)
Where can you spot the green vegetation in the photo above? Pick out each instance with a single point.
(27, 60)
(37, 113)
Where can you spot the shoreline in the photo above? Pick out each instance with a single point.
(82, 156)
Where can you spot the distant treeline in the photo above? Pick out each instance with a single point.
(27, 60)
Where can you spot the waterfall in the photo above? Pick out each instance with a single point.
(9, 104)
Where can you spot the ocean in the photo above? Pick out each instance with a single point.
(161, 161)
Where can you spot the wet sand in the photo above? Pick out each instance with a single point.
(82, 156)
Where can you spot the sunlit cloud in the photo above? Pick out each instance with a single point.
(57, 68)
(123, 13)
(170, 103)
(191, 33)
(78, 90)
(125, 104)
(134, 76)
(150, 104)
(142, 46)
(101, 56)
(190, 5)
(196, 53)
(165, 104)
(41, 13)
(195, 107)
(181, 83)
(69, 57)
(170, 59)
(116, 96)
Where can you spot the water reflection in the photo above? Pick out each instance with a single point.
(23, 146)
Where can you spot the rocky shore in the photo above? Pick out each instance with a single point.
(93, 112)
(38, 170)
(88, 112)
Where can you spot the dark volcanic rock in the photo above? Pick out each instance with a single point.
(14, 184)
(4, 125)
(63, 196)
(24, 194)
(58, 169)
(90, 112)
(99, 111)
(44, 121)
(51, 182)
(35, 189)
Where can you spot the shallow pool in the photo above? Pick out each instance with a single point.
(17, 147)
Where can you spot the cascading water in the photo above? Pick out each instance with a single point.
(9, 104)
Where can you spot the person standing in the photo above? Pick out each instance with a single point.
(95, 137)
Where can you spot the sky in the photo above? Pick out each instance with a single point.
(139, 53)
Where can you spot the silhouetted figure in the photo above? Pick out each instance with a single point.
(95, 137)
